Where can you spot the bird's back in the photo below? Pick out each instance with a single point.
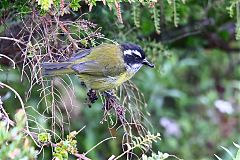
(102, 68)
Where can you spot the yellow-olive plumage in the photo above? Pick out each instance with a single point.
(101, 68)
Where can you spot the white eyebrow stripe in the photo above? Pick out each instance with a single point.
(129, 52)
(137, 53)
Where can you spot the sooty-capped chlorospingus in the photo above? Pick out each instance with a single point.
(103, 67)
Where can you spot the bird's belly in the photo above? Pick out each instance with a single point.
(105, 83)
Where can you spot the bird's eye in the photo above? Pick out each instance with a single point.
(136, 57)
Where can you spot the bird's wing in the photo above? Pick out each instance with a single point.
(80, 54)
(104, 60)
(88, 67)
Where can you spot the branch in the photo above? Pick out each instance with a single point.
(13, 39)
(98, 144)
(75, 46)
(4, 117)
(81, 157)
(23, 108)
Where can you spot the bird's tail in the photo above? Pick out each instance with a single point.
(61, 68)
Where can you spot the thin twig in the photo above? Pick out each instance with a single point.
(4, 115)
(81, 157)
(98, 144)
(23, 108)
(14, 64)
(13, 39)
(69, 36)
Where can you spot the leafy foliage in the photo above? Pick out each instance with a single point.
(64, 147)
(14, 144)
(230, 153)
(197, 65)
(75, 5)
(234, 5)
(45, 4)
(44, 137)
(158, 156)
(136, 14)
(144, 143)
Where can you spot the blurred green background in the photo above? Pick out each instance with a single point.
(193, 93)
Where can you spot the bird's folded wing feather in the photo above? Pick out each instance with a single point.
(80, 54)
(104, 60)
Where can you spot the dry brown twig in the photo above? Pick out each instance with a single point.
(49, 39)
(4, 117)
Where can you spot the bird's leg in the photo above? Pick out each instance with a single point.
(108, 94)
(110, 100)
(92, 97)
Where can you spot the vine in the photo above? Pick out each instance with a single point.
(136, 14)
(156, 17)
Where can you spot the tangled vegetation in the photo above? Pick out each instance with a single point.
(180, 36)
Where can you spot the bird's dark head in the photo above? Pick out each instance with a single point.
(134, 55)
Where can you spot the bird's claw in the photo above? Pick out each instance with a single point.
(92, 96)
(110, 100)
(108, 94)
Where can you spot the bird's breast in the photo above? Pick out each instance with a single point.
(124, 77)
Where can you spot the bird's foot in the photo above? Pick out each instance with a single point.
(109, 94)
(110, 100)
(92, 97)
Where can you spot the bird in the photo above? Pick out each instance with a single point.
(103, 67)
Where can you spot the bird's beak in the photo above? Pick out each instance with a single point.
(146, 62)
